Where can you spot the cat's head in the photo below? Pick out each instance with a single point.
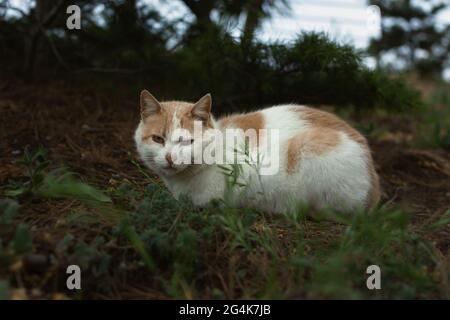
(166, 131)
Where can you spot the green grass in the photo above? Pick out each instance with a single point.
(142, 237)
(435, 128)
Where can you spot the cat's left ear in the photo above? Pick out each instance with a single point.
(202, 108)
(149, 104)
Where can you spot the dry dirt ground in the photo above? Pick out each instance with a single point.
(92, 134)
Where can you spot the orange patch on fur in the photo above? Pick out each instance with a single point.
(315, 141)
(154, 125)
(321, 119)
(246, 121)
(162, 123)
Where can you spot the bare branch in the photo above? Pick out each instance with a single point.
(7, 6)
(56, 52)
(48, 18)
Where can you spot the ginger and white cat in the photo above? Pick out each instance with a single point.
(321, 160)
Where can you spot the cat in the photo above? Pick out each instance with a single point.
(322, 161)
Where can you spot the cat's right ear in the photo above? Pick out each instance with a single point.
(149, 104)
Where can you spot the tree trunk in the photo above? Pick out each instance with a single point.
(254, 13)
(202, 10)
(43, 14)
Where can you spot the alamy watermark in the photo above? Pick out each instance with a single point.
(373, 22)
(74, 279)
(74, 20)
(257, 148)
(374, 280)
(373, 19)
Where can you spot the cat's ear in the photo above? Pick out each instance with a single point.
(149, 104)
(202, 108)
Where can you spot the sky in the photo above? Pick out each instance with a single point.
(345, 20)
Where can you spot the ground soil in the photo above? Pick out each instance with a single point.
(92, 134)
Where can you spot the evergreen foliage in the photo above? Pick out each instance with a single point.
(132, 42)
(410, 30)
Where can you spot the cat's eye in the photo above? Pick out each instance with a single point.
(186, 142)
(158, 139)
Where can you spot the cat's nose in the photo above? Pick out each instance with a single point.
(169, 159)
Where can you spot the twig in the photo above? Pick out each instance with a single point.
(8, 6)
(109, 70)
(56, 52)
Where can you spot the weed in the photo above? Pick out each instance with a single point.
(55, 184)
(435, 129)
(15, 241)
(35, 164)
(179, 251)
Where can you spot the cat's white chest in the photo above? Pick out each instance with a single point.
(201, 188)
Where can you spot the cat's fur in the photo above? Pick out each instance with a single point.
(323, 161)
